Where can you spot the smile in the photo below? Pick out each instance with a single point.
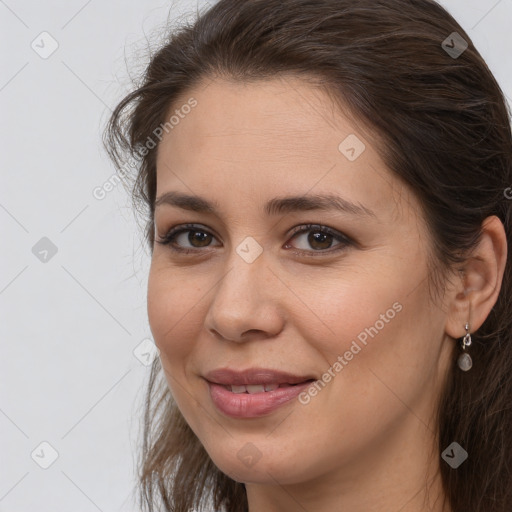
(254, 392)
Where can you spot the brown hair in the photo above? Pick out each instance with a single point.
(441, 124)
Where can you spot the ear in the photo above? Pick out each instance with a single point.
(480, 280)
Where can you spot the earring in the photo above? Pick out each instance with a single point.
(465, 362)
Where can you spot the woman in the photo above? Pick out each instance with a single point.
(325, 183)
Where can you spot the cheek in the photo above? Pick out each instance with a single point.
(172, 306)
(384, 348)
(343, 312)
(369, 325)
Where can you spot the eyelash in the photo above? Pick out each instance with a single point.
(169, 238)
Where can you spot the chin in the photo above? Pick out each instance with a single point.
(263, 471)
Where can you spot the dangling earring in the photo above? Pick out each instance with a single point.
(465, 362)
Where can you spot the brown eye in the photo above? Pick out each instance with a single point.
(318, 239)
(187, 238)
(201, 238)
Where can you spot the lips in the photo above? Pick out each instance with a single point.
(253, 392)
(255, 376)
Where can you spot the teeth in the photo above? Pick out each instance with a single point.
(254, 388)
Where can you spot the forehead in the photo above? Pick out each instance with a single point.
(268, 138)
(285, 115)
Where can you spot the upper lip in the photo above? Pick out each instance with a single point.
(251, 376)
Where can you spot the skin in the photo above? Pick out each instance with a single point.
(367, 441)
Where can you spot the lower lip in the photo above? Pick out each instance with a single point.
(252, 405)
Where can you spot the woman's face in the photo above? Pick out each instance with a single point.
(344, 303)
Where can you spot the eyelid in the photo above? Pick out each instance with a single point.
(320, 227)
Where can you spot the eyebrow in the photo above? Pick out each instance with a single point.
(278, 205)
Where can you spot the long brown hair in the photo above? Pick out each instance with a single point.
(440, 122)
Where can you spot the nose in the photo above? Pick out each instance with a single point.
(246, 302)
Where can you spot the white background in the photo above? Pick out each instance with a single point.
(69, 326)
